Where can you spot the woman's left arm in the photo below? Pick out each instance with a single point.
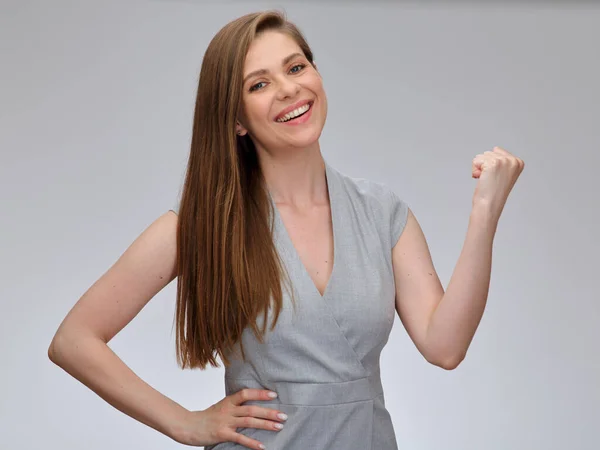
(442, 324)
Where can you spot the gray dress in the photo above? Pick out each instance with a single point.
(322, 358)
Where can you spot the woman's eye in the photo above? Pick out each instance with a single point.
(301, 66)
(295, 69)
(256, 86)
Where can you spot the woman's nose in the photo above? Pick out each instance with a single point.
(288, 88)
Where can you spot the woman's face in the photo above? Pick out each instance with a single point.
(279, 80)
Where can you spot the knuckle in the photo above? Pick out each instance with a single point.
(219, 434)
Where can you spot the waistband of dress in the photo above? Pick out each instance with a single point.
(313, 394)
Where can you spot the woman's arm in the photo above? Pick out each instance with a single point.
(442, 324)
(80, 343)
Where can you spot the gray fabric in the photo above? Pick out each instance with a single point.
(323, 356)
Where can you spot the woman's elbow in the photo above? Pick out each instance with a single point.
(447, 363)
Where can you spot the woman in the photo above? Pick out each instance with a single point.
(268, 235)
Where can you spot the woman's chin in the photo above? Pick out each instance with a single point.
(304, 140)
(302, 137)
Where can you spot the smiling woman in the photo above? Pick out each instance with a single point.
(277, 71)
(266, 231)
(274, 200)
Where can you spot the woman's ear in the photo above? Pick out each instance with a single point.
(240, 130)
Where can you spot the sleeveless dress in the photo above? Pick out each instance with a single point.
(322, 358)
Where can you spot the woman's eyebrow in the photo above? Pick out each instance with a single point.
(286, 60)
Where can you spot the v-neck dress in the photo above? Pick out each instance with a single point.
(322, 358)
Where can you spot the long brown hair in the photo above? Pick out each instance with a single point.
(228, 267)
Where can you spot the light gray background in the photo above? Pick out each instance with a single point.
(96, 105)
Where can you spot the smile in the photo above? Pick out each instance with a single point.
(298, 112)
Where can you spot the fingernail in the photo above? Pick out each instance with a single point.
(272, 394)
(261, 446)
(282, 416)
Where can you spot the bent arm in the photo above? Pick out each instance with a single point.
(455, 320)
(91, 361)
(442, 324)
(80, 343)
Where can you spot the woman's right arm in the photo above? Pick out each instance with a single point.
(80, 343)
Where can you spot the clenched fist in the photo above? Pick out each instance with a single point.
(497, 172)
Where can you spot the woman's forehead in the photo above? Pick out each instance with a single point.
(269, 49)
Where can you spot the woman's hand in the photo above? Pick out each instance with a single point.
(497, 171)
(218, 423)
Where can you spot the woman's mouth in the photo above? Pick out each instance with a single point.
(299, 115)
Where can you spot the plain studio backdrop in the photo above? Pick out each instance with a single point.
(96, 107)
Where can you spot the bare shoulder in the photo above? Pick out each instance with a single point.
(144, 268)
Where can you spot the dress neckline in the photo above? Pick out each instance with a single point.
(291, 249)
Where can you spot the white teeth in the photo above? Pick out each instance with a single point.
(294, 113)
